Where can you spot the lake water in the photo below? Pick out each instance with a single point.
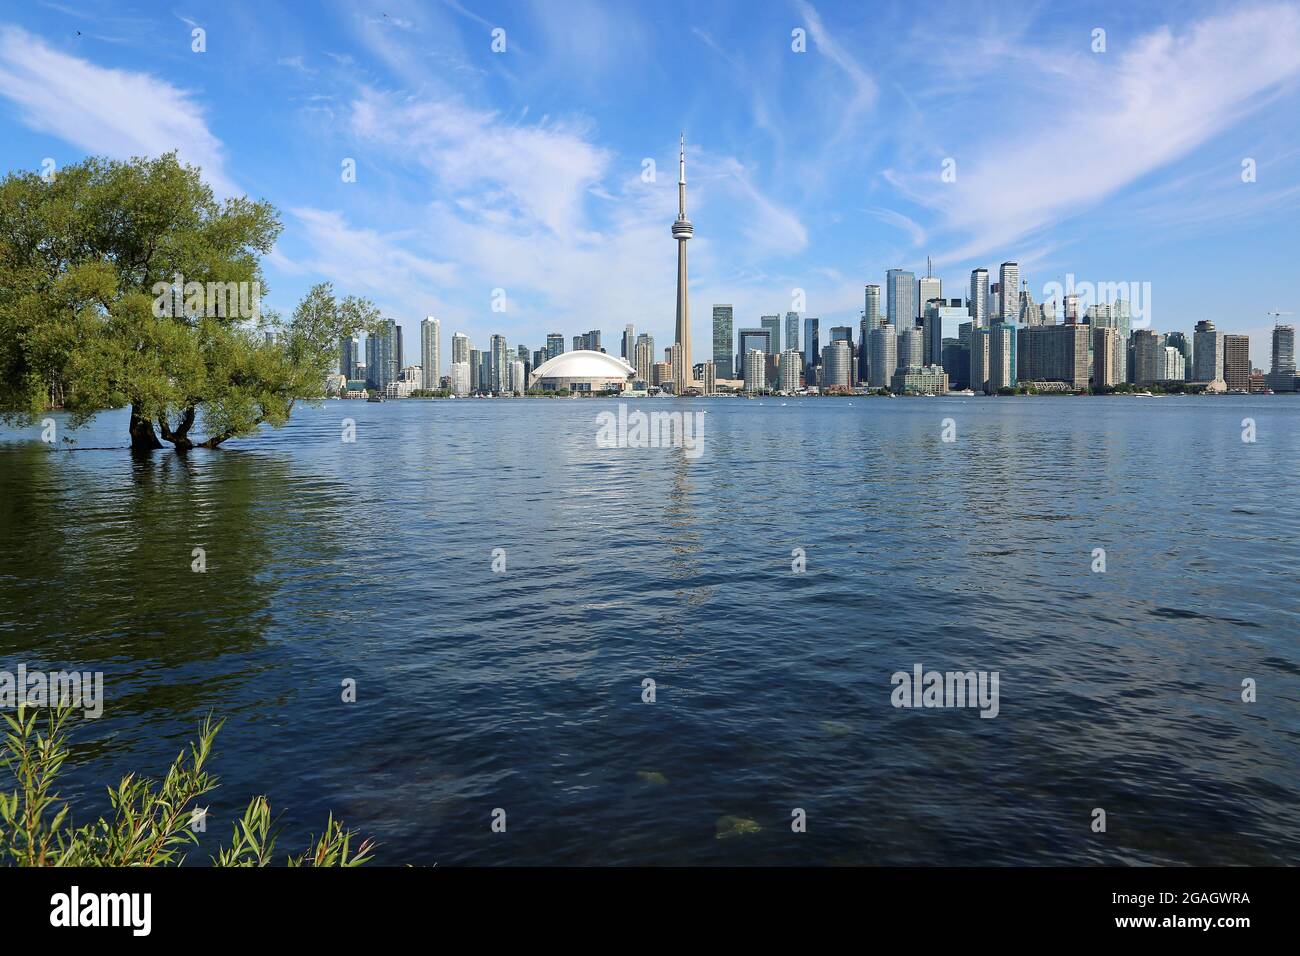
(522, 690)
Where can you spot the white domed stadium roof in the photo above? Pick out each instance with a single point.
(584, 364)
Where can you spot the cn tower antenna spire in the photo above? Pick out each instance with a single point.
(681, 179)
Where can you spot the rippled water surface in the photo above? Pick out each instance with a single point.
(523, 690)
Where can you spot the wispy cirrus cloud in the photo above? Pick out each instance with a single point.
(120, 113)
(1106, 123)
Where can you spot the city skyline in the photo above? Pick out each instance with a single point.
(462, 185)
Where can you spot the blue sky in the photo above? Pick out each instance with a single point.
(523, 170)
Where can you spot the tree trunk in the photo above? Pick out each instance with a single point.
(143, 438)
(180, 438)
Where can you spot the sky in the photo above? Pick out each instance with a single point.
(826, 143)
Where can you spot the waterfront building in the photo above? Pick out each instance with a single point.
(680, 378)
(383, 355)
(1183, 343)
(755, 362)
(1207, 352)
(1002, 356)
(460, 347)
(1173, 367)
(837, 365)
(791, 367)
(1282, 369)
(460, 379)
(645, 358)
(1054, 353)
(884, 356)
(919, 380)
(1148, 356)
(583, 371)
(723, 341)
(661, 374)
(709, 379)
(1107, 357)
(1236, 362)
(910, 350)
(430, 352)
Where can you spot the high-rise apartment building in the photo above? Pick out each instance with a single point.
(791, 364)
(1207, 352)
(977, 304)
(755, 361)
(349, 354)
(1107, 357)
(1002, 356)
(627, 346)
(1236, 362)
(1009, 289)
(1282, 370)
(871, 308)
(911, 349)
(645, 358)
(460, 347)
(1054, 353)
(430, 352)
(884, 356)
(383, 355)
(1148, 357)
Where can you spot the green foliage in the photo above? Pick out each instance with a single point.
(151, 822)
(83, 262)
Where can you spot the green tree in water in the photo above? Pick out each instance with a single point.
(129, 284)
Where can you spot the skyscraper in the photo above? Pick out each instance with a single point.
(682, 231)
(1281, 376)
(871, 307)
(900, 299)
(773, 324)
(884, 355)
(1207, 352)
(430, 352)
(349, 352)
(499, 374)
(645, 358)
(837, 364)
(1148, 357)
(460, 347)
(383, 355)
(1009, 282)
(927, 287)
(791, 363)
(628, 343)
(554, 344)
(911, 349)
(791, 331)
(811, 347)
(977, 304)
(723, 342)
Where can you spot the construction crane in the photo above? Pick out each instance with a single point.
(1277, 316)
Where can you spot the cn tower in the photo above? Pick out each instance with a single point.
(682, 230)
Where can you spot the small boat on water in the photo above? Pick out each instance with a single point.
(375, 398)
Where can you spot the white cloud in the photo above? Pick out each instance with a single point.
(105, 111)
(1108, 122)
